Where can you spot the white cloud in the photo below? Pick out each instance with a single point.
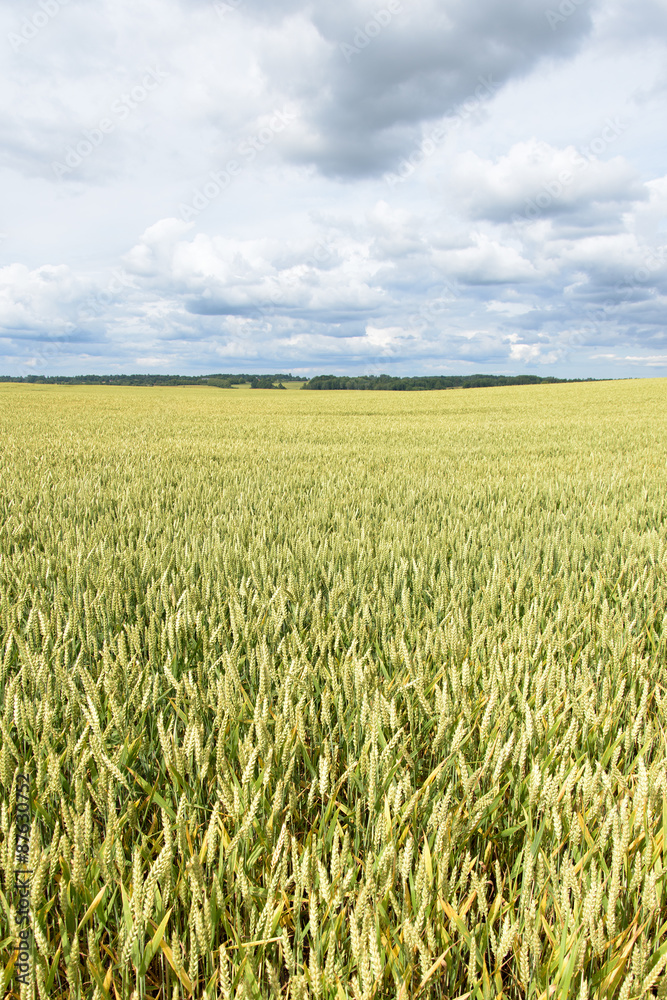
(509, 308)
(532, 234)
(152, 362)
(487, 261)
(535, 180)
(34, 301)
(533, 353)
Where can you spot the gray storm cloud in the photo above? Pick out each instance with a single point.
(410, 184)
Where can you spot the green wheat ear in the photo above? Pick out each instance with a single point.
(314, 703)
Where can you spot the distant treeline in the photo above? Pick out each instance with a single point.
(396, 383)
(223, 381)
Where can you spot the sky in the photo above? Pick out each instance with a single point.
(345, 186)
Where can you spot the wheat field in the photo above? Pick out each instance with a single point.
(334, 695)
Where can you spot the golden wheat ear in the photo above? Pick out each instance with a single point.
(304, 698)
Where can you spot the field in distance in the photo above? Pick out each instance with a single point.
(334, 695)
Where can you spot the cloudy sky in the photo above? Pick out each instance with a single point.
(407, 186)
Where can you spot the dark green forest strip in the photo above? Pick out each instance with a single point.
(381, 382)
(395, 383)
